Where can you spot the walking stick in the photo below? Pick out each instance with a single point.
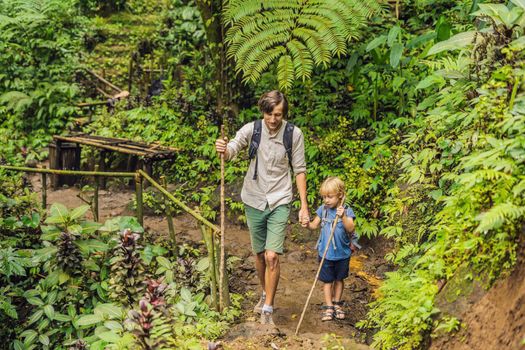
(334, 224)
(222, 265)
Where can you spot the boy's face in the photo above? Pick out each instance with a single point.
(274, 119)
(331, 200)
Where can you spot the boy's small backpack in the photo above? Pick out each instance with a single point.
(256, 140)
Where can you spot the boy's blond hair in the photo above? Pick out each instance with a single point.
(332, 184)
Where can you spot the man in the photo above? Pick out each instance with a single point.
(267, 189)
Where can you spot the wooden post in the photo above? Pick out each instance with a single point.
(103, 167)
(207, 234)
(95, 195)
(171, 229)
(44, 190)
(222, 268)
(58, 163)
(138, 193)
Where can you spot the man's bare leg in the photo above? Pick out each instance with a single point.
(260, 266)
(273, 271)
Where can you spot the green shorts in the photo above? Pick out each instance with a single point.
(267, 227)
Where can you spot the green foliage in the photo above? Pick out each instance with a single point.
(39, 41)
(295, 34)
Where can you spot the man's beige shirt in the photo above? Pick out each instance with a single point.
(273, 186)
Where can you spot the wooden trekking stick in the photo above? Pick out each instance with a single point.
(334, 224)
(222, 264)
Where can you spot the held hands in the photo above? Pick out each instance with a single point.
(220, 145)
(304, 217)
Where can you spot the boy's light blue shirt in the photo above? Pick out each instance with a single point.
(341, 238)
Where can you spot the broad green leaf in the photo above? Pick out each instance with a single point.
(520, 3)
(49, 310)
(110, 310)
(203, 264)
(185, 294)
(130, 222)
(429, 81)
(78, 212)
(35, 317)
(395, 54)
(89, 320)
(455, 42)
(164, 262)
(58, 214)
(380, 40)
(18, 345)
(29, 335)
(90, 246)
(113, 325)
(74, 229)
(35, 301)
(44, 339)
(393, 35)
(109, 336)
(89, 227)
(62, 317)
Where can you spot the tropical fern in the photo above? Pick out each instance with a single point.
(298, 34)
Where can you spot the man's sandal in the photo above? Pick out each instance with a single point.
(328, 313)
(339, 312)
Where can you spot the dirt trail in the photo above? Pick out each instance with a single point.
(298, 268)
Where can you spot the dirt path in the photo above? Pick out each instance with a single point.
(298, 268)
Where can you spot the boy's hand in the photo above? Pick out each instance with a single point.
(220, 145)
(340, 211)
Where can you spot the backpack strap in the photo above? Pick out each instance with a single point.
(254, 144)
(288, 141)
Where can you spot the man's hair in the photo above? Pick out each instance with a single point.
(270, 99)
(332, 184)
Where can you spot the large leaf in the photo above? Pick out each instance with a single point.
(455, 42)
(130, 222)
(111, 311)
(58, 214)
(89, 320)
(520, 3)
(79, 212)
(380, 40)
(395, 54)
(92, 246)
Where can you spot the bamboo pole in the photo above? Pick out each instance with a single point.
(171, 229)
(334, 225)
(66, 172)
(222, 264)
(114, 87)
(178, 202)
(207, 235)
(95, 144)
(138, 193)
(44, 190)
(95, 196)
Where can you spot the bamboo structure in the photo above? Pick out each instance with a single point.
(68, 172)
(171, 229)
(222, 263)
(178, 202)
(138, 193)
(95, 196)
(207, 235)
(44, 190)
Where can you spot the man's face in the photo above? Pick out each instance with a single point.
(274, 119)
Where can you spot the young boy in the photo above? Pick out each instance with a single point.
(336, 265)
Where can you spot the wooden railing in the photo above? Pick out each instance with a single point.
(210, 231)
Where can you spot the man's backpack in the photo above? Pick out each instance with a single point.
(256, 140)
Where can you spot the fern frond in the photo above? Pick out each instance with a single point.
(311, 31)
(285, 72)
(498, 215)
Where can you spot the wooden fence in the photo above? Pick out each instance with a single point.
(210, 232)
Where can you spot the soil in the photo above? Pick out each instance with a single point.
(298, 269)
(495, 320)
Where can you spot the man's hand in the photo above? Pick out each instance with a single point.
(220, 146)
(304, 216)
